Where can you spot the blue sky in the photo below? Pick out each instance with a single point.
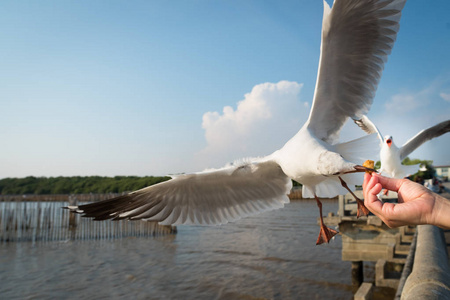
(160, 87)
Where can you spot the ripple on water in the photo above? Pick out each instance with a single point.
(268, 256)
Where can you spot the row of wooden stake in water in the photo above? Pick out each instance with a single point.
(47, 221)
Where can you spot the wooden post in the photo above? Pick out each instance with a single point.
(341, 210)
(357, 274)
(72, 217)
(365, 292)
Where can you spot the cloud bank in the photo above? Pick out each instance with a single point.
(260, 124)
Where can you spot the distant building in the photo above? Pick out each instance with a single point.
(442, 171)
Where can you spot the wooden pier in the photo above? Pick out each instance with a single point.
(368, 239)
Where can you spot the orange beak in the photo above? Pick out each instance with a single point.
(389, 142)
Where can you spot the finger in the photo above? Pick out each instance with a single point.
(391, 184)
(367, 178)
(372, 188)
(374, 191)
(370, 184)
(385, 211)
(375, 205)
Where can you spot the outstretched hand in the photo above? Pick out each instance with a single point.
(416, 204)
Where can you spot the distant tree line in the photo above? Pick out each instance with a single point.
(118, 184)
(428, 173)
(75, 185)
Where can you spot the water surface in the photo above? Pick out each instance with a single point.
(269, 256)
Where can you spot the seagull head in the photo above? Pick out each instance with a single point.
(389, 140)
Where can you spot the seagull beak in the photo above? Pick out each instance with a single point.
(389, 142)
(359, 168)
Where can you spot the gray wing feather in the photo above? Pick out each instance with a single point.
(368, 127)
(423, 136)
(357, 37)
(213, 197)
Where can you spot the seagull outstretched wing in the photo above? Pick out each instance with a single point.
(357, 37)
(423, 136)
(212, 197)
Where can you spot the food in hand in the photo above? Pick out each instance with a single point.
(369, 164)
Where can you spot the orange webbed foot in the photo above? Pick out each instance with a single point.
(362, 209)
(325, 235)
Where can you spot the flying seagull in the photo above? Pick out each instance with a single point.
(357, 37)
(391, 156)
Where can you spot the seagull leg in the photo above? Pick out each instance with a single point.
(362, 209)
(325, 233)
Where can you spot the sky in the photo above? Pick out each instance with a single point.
(163, 87)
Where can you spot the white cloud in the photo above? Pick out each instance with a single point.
(261, 123)
(403, 103)
(424, 104)
(445, 96)
(424, 99)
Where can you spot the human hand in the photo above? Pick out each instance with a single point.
(416, 204)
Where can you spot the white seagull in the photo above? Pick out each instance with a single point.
(357, 37)
(391, 156)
